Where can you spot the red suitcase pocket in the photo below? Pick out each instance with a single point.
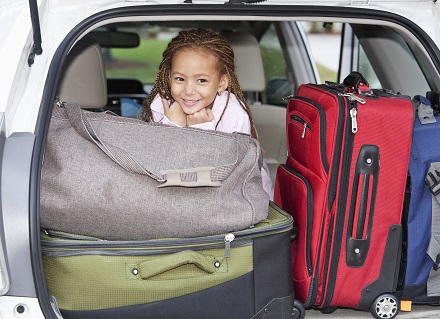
(306, 125)
(295, 195)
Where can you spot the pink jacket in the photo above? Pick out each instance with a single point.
(235, 119)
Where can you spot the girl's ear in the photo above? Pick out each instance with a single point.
(224, 83)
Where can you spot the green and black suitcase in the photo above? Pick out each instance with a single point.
(245, 274)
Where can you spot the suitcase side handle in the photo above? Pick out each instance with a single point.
(362, 205)
(148, 269)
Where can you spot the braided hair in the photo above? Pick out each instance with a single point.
(213, 43)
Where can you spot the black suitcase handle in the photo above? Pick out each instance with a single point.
(366, 172)
(356, 81)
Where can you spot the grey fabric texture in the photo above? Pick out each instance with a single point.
(433, 250)
(101, 173)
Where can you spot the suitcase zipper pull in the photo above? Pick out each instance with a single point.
(353, 112)
(304, 130)
(288, 97)
(353, 115)
(228, 239)
(353, 97)
(303, 122)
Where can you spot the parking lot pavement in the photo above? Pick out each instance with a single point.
(418, 312)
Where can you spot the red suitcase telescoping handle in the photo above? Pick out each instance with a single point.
(356, 83)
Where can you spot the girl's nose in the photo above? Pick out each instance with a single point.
(189, 88)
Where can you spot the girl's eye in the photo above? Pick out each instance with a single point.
(202, 81)
(179, 79)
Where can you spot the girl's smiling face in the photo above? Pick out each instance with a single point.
(195, 79)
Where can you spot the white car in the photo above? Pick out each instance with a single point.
(395, 44)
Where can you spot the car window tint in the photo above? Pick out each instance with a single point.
(140, 63)
(367, 70)
(277, 85)
(325, 44)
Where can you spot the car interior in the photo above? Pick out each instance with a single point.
(86, 79)
(89, 79)
(85, 82)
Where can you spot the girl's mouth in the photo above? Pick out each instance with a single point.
(190, 102)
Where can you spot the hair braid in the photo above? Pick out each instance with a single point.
(199, 39)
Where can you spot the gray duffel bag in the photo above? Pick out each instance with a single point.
(120, 178)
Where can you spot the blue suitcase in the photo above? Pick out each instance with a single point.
(417, 264)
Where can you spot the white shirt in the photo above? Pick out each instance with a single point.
(235, 119)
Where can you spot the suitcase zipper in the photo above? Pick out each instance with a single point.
(353, 109)
(322, 120)
(77, 243)
(343, 121)
(228, 239)
(51, 248)
(328, 283)
(106, 251)
(340, 213)
(353, 114)
(303, 123)
(313, 288)
(62, 235)
(338, 144)
(309, 216)
(73, 241)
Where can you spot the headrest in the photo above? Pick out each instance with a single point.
(84, 80)
(248, 62)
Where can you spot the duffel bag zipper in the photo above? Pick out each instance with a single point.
(77, 243)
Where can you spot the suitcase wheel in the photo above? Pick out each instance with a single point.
(328, 310)
(299, 312)
(385, 306)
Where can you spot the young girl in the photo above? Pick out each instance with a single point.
(196, 86)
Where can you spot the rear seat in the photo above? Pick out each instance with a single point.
(270, 120)
(84, 80)
(84, 83)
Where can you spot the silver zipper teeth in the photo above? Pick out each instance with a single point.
(78, 252)
(99, 244)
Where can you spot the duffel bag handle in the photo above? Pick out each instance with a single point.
(83, 127)
(151, 268)
(357, 82)
(79, 121)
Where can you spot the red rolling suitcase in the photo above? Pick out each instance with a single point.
(344, 183)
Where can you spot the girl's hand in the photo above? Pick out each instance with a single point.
(174, 112)
(202, 116)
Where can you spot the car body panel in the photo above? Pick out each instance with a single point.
(20, 307)
(28, 89)
(58, 18)
(16, 157)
